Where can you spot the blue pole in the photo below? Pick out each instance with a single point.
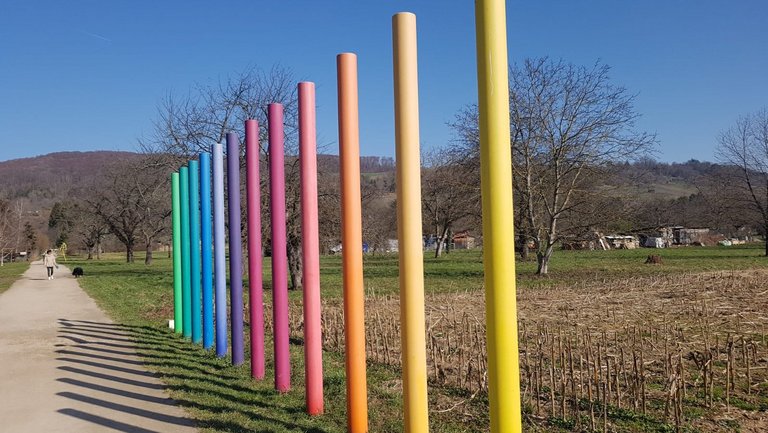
(194, 239)
(207, 241)
(235, 248)
(220, 260)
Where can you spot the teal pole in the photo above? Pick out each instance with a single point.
(194, 250)
(175, 207)
(186, 295)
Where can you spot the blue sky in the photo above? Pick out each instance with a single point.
(87, 75)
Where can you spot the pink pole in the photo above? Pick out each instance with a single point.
(279, 248)
(310, 252)
(255, 291)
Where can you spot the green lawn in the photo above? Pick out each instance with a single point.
(223, 398)
(11, 272)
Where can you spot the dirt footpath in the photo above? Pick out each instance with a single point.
(65, 367)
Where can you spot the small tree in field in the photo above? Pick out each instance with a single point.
(745, 145)
(568, 124)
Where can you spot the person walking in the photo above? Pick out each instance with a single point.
(49, 260)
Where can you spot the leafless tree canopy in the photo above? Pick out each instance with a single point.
(133, 202)
(189, 124)
(568, 123)
(745, 145)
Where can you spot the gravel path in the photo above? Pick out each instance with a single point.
(66, 367)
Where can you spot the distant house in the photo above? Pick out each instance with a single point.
(654, 242)
(686, 236)
(463, 241)
(622, 242)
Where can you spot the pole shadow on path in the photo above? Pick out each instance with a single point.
(106, 383)
(114, 367)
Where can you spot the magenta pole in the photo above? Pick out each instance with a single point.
(310, 251)
(279, 246)
(255, 295)
(235, 248)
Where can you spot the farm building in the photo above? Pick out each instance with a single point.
(686, 236)
(463, 241)
(622, 242)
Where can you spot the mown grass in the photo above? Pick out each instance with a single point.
(11, 272)
(223, 398)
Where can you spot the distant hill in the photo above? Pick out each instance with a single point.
(47, 178)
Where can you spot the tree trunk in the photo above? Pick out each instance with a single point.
(543, 260)
(441, 242)
(148, 257)
(765, 238)
(90, 253)
(129, 253)
(524, 250)
(294, 266)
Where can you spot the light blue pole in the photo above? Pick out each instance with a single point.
(207, 245)
(220, 261)
(194, 239)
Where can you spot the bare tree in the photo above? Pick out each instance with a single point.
(745, 145)
(134, 204)
(8, 229)
(447, 194)
(568, 124)
(89, 230)
(189, 124)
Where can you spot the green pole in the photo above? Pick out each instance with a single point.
(175, 206)
(186, 280)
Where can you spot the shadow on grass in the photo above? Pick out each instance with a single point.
(219, 396)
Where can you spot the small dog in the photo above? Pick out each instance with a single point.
(77, 272)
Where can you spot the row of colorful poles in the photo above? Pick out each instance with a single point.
(200, 274)
(197, 280)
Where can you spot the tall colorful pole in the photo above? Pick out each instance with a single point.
(206, 240)
(409, 230)
(498, 230)
(310, 250)
(255, 278)
(279, 249)
(220, 257)
(186, 284)
(194, 249)
(235, 248)
(178, 325)
(351, 244)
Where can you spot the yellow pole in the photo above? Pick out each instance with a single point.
(414, 352)
(498, 230)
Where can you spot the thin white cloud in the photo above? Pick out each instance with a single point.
(97, 36)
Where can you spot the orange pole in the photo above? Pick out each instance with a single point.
(352, 244)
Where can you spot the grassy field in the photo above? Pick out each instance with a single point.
(223, 398)
(10, 272)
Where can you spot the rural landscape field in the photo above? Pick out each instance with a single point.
(608, 343)
(378, 217)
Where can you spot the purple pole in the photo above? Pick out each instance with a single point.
(235, 247)
(279, 246)
(255, 291)
(219, 254)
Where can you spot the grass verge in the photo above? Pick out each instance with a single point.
(11, 272)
